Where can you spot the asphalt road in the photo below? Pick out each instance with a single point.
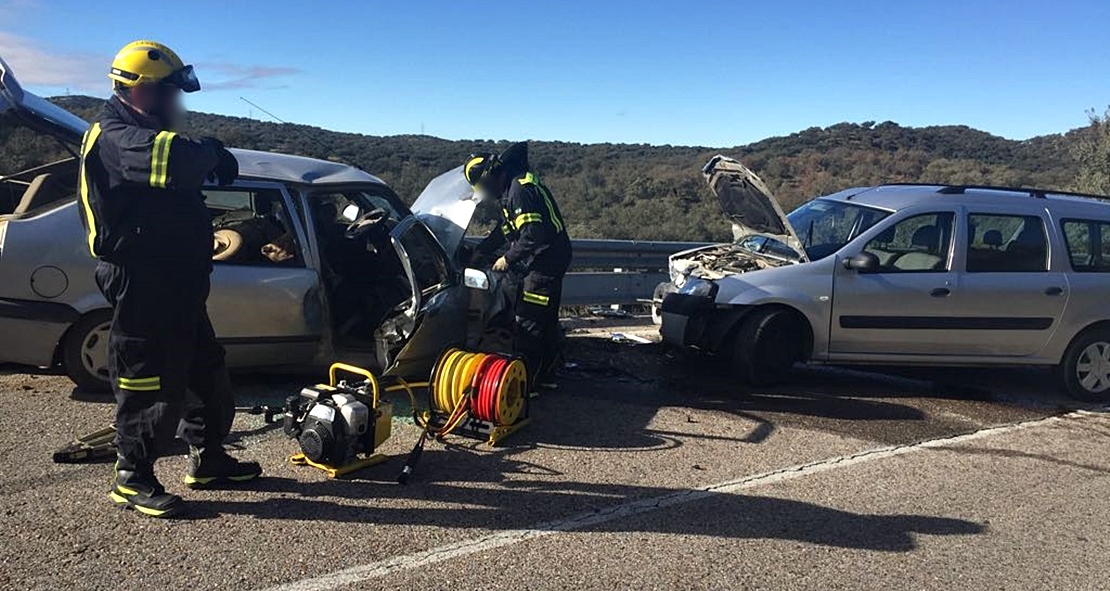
(641, 472)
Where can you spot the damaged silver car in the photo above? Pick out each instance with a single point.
(314, 261)
(937, 275)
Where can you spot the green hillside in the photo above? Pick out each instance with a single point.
(656, 192)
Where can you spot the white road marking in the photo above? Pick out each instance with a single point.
(462, 548)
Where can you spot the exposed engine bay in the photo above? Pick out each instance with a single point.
(721, 260)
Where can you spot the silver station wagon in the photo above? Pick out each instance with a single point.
(899, 275)
(314, 261)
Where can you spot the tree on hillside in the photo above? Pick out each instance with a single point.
(1092, 152)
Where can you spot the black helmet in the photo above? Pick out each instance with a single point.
(515, 159)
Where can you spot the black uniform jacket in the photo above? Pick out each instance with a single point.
(140, 192)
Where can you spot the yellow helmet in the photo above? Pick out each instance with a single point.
(148, 62)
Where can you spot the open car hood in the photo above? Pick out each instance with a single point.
(748, 203)
(446, 206)
(36, 112)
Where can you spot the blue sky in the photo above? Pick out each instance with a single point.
(704, 73)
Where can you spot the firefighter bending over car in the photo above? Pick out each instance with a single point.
(539, 251)
(148, 225)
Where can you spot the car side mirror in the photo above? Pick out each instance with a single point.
(864, 262)
(476, 279)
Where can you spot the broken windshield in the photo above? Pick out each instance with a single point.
(824, 226)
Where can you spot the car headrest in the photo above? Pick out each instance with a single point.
(926, 237)
(992, 238)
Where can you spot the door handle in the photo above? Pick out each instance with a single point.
(941, 292)
(1054, 291)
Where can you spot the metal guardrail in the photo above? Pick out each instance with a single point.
(594, 278)
(606, 255)
(616, 271)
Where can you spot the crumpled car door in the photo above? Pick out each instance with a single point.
(434, 318)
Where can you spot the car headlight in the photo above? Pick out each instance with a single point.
(697, 288)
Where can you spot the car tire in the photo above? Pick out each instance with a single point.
(657, 297)
(767, 344)
(1085, 369)
(85, 352)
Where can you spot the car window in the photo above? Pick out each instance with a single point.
(1088, 243)
(1006, 244)
(914, 245)
(366, 201)
(252, 227)
(428, 265)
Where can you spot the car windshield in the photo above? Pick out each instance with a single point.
(824, 226)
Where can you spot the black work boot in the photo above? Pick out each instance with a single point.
(211, 466)
(135, 487)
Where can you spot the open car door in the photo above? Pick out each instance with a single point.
(435, 316)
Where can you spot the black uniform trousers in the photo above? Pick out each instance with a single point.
(537, 320)
(161, 346)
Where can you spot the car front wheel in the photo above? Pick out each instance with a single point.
(85, 352)
(1086, 367)
(768, 343)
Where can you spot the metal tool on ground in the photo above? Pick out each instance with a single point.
(477, 395)
(101, 444)
(94, 446)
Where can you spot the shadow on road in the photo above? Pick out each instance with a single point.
(1013, 453)
(467, 507)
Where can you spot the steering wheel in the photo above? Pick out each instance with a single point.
(366, 222)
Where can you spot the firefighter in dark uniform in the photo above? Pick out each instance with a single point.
(150, 229)
(539, 250)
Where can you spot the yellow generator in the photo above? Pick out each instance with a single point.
(339, 425)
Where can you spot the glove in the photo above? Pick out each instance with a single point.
(227, 167)
(501, 265)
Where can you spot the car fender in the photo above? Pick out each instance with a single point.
(804, 287)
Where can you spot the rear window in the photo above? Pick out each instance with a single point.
(1006, 244)
(1088, 243)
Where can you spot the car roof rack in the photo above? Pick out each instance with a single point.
(1035, 193)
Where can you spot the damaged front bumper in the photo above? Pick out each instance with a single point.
(686, 314)
(693, 320)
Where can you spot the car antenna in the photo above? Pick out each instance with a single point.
(315, 140)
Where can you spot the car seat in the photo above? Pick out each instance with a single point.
(1027, 252)
(926, 238)
(881, 244)
(39, 192)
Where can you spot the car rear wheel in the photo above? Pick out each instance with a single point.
(85, 352)
(1086, 366)
(767, 344)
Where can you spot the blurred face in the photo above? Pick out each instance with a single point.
(491, 187)
(160, 101)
